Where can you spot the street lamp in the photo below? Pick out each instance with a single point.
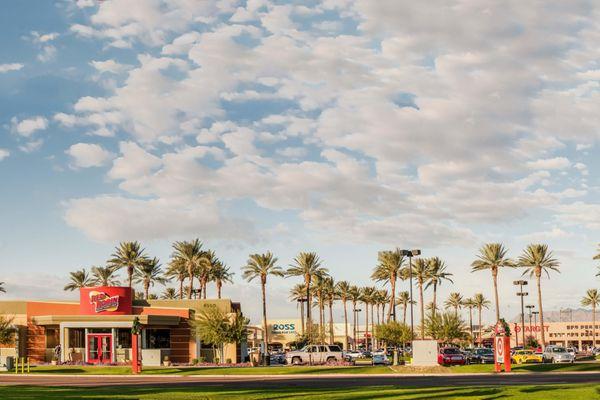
(529, 307)
(535, 314)
(410, 254)
(521, 294)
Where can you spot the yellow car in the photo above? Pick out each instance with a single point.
(526, 357)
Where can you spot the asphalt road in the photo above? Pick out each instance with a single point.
(312, 381)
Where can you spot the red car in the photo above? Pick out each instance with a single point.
(451, 356)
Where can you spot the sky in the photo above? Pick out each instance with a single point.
(344, 127)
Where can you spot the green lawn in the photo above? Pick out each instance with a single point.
(293, 370)
(562, 392)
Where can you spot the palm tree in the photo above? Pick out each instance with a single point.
(79, 279)
(150, 273)
(536, 258)
(388, 270)
(367, 294)
(420, 271)
(104, 276)
(592, 298)
(330, 298)
(178, 270)
(2, 289)
(208, 262)
(169, 294)
(260, 266)
(480, 302)
(492, 256)
(129, 255)
(354, 295)
(342, 292)
(220, 274)
(455, 300)
(436, 274)
(404, 301)
(298, 294)
(188, 254)
(470, 304)
(319, 288)
(308, 266)
(383, 298)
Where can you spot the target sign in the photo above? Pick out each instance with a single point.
(499, 349)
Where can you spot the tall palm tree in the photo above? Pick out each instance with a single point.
(129, 255)
(480, 302)
(455, 300)
(169, 294)
(592, 299)
(104, 276)
(2, 289)
(404, 301)
(208, 262)
(330, 298)
(492, 256)
(367, 299)
(307, 266)
(470, 304)
(420, 271)
(260, 266)
(355, 295)
(319, 288)
(190, 255)
(177, 270)
(220, 274)
(383, 298)
(342, 292)
(536, 258)
(150, 273)
(388, 270)
(436, 274)
(298, 294)
(79, 279)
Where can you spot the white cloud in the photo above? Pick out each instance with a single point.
(48, 53)
(31, 146)
(10, 67)
(27, 127)
(4, 154)
(550, 163)
(85, 155)
(110, 66)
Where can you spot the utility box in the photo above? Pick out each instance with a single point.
(425, 353)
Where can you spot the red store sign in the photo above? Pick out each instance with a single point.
(528, 328)
(114, 300)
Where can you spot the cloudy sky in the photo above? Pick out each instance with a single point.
(338, 126)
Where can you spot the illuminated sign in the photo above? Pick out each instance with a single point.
(283, 329)
(103, 302)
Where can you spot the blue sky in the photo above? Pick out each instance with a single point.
(344, 127)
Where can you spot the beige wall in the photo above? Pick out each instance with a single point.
(577, 334)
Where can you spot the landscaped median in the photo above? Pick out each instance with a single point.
(299, 370)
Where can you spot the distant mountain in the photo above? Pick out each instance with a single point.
(567, 315)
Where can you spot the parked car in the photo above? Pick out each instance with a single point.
(481, 355)
(526, 357)
(557, 354)
(380, 359)
(451, 356)
(351, 355)
(315, 354)
(277, 358)
(572, 351)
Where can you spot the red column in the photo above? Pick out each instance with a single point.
(136, 365)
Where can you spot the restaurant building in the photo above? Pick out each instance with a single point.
(97, 328)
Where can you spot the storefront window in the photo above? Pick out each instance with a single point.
(76, 337)
(52, 338)
(158, 339)
(124, 338)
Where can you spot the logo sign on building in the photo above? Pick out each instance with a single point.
(283, 329)
(105, 300)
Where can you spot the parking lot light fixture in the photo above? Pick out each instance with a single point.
(410, 254)
(521, 294)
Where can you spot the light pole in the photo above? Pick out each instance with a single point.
(301, 301)
(535, 314)
(356, 312)
(521, 294)
(529, 307)
(411, 254)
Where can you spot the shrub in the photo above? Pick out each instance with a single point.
(228, 361)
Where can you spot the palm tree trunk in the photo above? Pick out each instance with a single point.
(264, 311)
(354, 338)
(495, 279)
(204, 287)
(594, 324)
(456, 311)
(471, 324)
(345, 326)
(146, 289)
(383, 313)
(219, 285)
(539, 288)
(191, 278)
(321, 332)
(302, 317)
(180, 289)
(366, 326)
(308, 308)
(480, 338)
(330, 323)
(422, 311)
(130, 273)
(404, 314)
(433, 310)
(372, 327)
(392, 299)
(378, 310)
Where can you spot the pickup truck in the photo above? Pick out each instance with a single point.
(315, 354)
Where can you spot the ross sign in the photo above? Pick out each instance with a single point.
(283, 329)
(105, 300)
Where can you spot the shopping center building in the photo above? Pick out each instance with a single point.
(568, 334)
(97, 329)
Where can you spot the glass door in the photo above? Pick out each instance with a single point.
(99, 349)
